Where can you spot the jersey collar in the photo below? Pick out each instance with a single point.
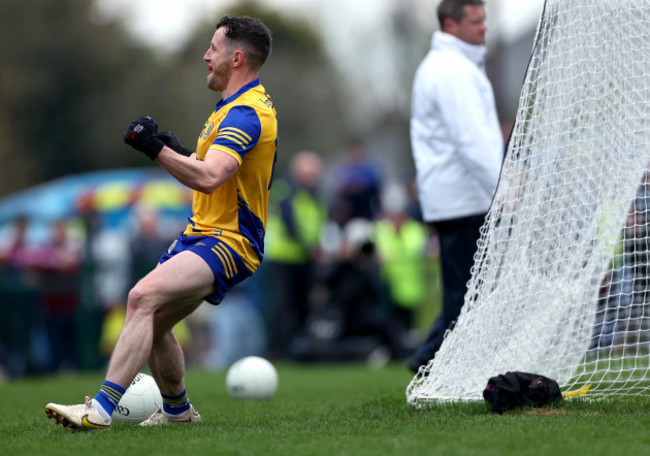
(234, 96)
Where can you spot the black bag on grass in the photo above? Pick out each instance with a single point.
(520, 389)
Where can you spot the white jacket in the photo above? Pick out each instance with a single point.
(455, 134)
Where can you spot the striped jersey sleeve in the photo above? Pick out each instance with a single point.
(238, 133)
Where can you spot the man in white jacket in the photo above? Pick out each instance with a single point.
(458, 148)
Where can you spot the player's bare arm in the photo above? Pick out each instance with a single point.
(201, 175)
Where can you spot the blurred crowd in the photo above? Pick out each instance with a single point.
(350, 273)
(346, 277)
(623, 311)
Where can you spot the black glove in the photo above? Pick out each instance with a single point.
(141, 135)
(172, 141)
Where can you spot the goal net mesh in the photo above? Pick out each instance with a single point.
(560, 284)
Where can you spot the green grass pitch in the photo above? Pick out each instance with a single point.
(325, 410)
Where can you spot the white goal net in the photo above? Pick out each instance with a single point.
(561, 281)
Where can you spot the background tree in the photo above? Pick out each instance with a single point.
(69, 85)
(59, 76)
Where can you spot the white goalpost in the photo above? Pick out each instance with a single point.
(561, 280)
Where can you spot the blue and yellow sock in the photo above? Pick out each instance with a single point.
(176, 405)
(108, 397)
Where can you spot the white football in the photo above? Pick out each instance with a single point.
(141, 399)
(252, 378)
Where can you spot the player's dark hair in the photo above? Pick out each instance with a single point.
(453, 9)
(251, 33)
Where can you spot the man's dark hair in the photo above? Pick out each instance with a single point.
(250, 33)
(453, 9)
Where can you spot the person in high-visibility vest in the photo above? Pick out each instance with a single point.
(296, 218)
(400, 241)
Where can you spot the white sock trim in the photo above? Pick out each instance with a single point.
(175, 415)
(103, 413)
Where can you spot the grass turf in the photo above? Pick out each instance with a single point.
(325, 410)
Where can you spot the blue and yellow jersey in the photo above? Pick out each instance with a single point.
(243, 126)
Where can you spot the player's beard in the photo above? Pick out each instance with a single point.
(220, 76)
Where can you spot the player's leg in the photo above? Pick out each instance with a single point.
(180, 283)
(167, 366)
(167, 361)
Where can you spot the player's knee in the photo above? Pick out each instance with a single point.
(140, 299)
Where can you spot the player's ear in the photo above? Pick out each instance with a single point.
(238, 58)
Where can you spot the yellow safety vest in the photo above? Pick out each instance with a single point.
(402, 254)
(309, 217)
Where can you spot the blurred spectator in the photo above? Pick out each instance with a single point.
(358, 183)
(295, 221)
(350, 315)
(111, 259)
(615, 300)
(17, 298)
(146, 245)
(401, 245)
(14, 251)
(58, 262)
(625, 289)
(236, 329)
(413, 208)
